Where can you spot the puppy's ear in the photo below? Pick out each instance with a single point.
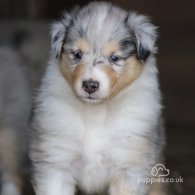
(59, 32)
(145, 34)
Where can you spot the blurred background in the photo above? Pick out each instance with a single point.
(24, 32)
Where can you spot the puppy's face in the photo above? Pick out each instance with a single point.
(101, 50)
(97, 76)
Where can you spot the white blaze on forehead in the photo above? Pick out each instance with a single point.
(100, 19)
(102, 25)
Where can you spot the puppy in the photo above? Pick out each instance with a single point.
(97, 123)
(15, 105)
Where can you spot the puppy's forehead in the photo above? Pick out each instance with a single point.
(100, 24)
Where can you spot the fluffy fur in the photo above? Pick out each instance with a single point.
(105, 140)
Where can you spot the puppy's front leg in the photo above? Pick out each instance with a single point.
(54, 182)
(125, 184)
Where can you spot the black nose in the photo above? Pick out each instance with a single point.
(90, 86)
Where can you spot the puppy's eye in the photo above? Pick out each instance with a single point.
(77, 55)
(114, 59)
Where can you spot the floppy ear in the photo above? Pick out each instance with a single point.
(145, 34)
(59, 32)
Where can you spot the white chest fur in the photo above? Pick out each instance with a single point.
(97, 142)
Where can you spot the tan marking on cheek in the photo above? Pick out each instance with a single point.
(111, 74)
(82, 45)
(110, 48)
(65, 69)
(130, 72)
(71, 75)
(77, 74)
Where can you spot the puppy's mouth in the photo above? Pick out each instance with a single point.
(90, 99)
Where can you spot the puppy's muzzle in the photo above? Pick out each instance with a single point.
(90, 86)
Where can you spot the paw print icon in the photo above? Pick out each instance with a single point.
(160, 170)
